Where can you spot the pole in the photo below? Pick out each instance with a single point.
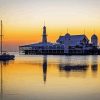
(1, 37)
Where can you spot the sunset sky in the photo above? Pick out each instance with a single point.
(23, 19)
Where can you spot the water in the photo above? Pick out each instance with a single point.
(51, 78)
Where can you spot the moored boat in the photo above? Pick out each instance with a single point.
(4, 56)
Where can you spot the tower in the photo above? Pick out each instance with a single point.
(44, 37)
(94, 40)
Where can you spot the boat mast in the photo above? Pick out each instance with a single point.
(1, 37)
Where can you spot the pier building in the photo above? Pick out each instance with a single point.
(67, 44)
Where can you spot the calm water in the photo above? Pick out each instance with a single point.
(50, 78)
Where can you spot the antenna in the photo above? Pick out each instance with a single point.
(84, 31)
(94, 30)
(60, 34)
(67, 30)
(44, 22)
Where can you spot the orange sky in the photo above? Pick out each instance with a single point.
(23, 19)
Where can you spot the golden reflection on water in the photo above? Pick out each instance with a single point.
(51, 78)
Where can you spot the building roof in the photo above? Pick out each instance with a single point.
(74, 39)
(94, 36)
(78, 37)
(40, 44)
(48, 44)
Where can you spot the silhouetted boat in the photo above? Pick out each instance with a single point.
(5, 56)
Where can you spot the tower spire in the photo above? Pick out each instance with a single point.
(44, 22)
(94, 30)
(44, 37)
(84, 32)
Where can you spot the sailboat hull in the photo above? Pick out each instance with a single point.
(6, 57)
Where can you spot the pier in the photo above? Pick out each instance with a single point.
(64, 45)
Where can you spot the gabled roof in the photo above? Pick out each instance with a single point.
(74, 37)
(78, 37)
(61, 38)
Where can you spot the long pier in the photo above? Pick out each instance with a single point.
(93, 51)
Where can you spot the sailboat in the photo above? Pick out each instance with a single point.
(4, 56)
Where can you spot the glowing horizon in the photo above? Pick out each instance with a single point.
(23, 19)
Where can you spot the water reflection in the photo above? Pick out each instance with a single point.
(24, 78)
(82, 66)
(3, 64)
(1, 94)
(6, 63)
(74, 65)
(74, 68)
(66, 64)
(94, 65)
(44, 68)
